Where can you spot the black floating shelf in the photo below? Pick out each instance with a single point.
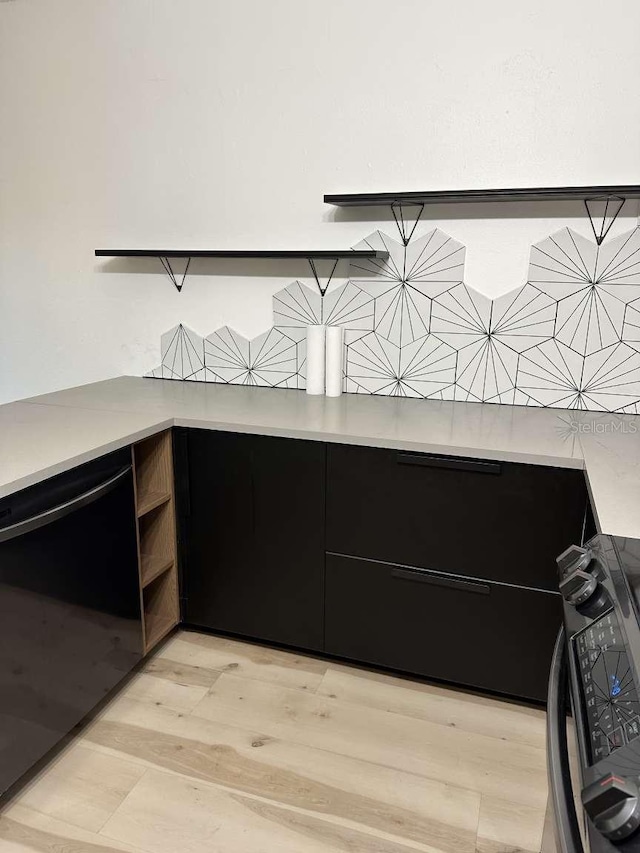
(470, 196)
(206, 253)
(311, 256)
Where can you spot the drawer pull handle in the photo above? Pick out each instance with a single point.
(445, 462)
(439, 580)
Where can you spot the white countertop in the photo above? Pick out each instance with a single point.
(37, 441)
(45, 435)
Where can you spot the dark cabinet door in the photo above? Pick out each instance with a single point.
(496, 520)
(253, 536)
(485, 635)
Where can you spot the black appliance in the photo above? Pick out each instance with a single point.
(595, 668)
(70, 623)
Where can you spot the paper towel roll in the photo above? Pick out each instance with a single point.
(315, 359)
(334, 360)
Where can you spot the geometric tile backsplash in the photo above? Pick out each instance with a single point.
(569, 337)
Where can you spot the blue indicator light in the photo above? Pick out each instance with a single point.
(615, 685)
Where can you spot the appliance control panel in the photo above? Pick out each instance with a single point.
(610, 693)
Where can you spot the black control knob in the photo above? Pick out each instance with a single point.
(578, 587)
(613, 804)
(573, 559)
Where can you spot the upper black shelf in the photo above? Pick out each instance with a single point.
(210, 253)
(467, 196)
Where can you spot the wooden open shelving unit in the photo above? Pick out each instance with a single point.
(156, 528)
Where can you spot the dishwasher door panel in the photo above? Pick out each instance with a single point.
(70, 622)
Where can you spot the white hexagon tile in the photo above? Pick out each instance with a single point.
(347, 305)
(552, 374)
(488, 336)
(404, 285)
(423, 368)
(182, 355)
(569, 337)
(592, 284)
(272, 359)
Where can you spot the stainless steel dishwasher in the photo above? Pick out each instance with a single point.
(70, 624)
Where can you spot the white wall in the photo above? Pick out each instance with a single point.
(204, 123)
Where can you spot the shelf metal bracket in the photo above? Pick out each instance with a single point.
(402, 218)
(613, 204)
(317, 276)
(166, 263)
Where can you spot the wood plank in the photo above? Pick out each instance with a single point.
(465, 759)
(337, 835)
(505, 827)
(166, 813)
(152, 566)
(291, 669)
(24, 830)
(331, 785)
(158, 691)
(469, 712)
(161, 607)
(140, 585)
(157, 533)
(157, 547)
(154, 469)
(180, 673)
(157, 628)
(368, 763)
(150, 500)
(156, 536)
(82, 787)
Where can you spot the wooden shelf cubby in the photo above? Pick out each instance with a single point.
(154, 472)
(155, 509)
(150, 500)
(160, 600)
(152, 566)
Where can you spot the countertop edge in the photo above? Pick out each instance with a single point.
(68, 463)
(389, 443)
(363, 440)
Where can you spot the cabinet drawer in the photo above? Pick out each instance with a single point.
(471, 632)
(496, 520)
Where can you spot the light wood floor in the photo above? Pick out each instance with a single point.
(225, 747)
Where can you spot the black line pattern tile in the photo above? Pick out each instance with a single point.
(631, 409)
(297, 306)
(404, 285)
(569, 337)
(347, 305)
(272, 359)
(488, 335)
(523, 318)
(553, 374)
(423, 368)
(631, 325)
(182, 355)
(592, 284)
(462, 318)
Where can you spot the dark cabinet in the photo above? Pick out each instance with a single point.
(438, 566)
(445, 567)
(252, 528)
(495, 520)
(476, 633)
